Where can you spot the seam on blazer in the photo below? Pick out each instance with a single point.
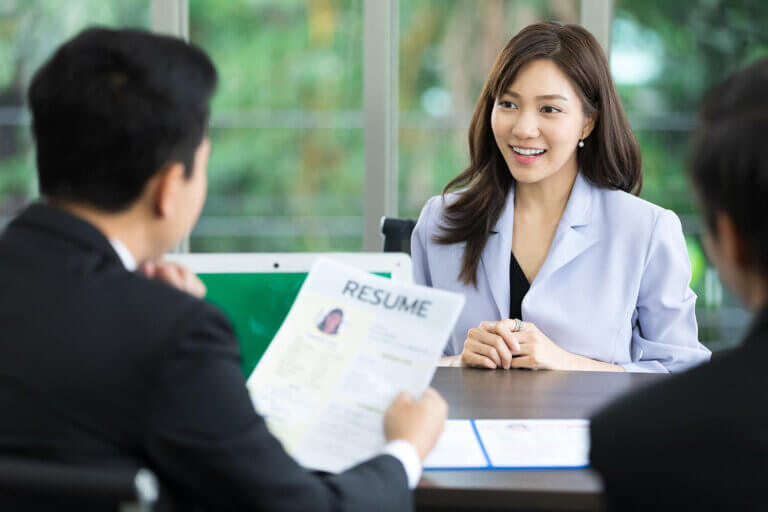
(658, 214)
(651, 238)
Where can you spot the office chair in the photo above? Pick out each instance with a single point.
(32, 485)
(397, 234)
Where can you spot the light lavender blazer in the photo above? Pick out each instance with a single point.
(614, 286)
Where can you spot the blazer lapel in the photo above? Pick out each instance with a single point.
(574, 234)
(494, 262)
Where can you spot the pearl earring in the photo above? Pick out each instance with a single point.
(581, 143)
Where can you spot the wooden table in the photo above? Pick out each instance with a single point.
(475, 393)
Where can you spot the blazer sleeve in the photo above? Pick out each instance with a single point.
(204, 437)
(420, 242)
(664, 334)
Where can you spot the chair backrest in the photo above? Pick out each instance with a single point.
(397, 234)
(33, 485)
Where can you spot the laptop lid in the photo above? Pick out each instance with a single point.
(256, 290)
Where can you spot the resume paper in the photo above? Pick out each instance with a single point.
(350, 343)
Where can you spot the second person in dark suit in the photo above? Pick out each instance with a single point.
(699, 441)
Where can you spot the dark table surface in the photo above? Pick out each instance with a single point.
(476, 393)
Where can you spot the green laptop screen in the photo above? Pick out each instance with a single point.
(256, 305)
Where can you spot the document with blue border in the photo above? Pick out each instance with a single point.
(492, 444)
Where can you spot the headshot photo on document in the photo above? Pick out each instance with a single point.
(331, 321)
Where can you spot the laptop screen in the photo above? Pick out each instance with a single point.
(256, 305)
(256, 290)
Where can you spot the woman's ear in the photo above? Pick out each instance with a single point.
(167, 189)
(589, 125)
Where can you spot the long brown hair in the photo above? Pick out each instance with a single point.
(610, 158)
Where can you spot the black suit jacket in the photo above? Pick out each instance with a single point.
(698, 441)
(101, 366)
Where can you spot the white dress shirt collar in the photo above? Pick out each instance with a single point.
(124, 254)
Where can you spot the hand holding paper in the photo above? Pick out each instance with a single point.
(420, 422)
(351, 342)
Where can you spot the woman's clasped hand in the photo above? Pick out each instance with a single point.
(501, 345)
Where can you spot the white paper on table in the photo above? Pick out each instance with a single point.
(458, 447)
(535, 443)
(324, 395)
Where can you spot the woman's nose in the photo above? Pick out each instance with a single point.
(525, 126)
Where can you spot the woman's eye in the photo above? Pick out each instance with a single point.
(507, 104)
(550, 110)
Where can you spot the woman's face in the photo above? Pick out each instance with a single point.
(332, 321)
(538, 121)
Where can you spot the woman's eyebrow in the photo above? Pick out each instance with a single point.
(542, 97)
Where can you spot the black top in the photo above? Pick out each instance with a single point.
(518, 287)
(696, 441)
(100, 366)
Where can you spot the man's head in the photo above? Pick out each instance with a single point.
(119, 118)
(730, 177)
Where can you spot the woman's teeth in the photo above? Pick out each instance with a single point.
(528, 152)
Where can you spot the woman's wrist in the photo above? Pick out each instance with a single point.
(575, 362)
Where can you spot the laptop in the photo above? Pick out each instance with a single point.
(256, 290)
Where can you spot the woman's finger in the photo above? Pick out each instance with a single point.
(477, 360)
(525, 362)
(506, 329)
(484, 349)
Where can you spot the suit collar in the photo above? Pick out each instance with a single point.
(574, 235)
(577, 210)
(45, 217)
(497, 255)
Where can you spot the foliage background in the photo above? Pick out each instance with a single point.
(287, 167)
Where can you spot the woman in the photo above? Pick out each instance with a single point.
(331, 322)
(543, 227)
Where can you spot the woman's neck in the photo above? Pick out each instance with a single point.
(545, 199)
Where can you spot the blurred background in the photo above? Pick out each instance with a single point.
(288, 168)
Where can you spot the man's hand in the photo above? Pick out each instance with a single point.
(419, 422)
(174, 275)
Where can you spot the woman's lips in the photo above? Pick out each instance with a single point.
(526, 159)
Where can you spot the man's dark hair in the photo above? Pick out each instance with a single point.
(111, 108)
(729, 168)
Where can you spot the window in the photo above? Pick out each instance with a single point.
(661, 72)
(29, 32)
(287, 170)
(287, 167)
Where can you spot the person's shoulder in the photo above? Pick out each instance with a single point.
(164, 309)
(681, 402)
(619, 201)
(441, 201)
(674, 435)
(622, 210)
(433, 209)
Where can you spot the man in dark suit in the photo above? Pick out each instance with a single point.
(699, 441)
(102, 365)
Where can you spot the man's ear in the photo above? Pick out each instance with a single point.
(168, 185)
(589, 125)
(732, 243)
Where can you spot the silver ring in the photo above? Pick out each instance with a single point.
(518, 325)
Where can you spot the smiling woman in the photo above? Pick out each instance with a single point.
(542, 226)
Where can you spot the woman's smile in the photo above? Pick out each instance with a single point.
(526, 155)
